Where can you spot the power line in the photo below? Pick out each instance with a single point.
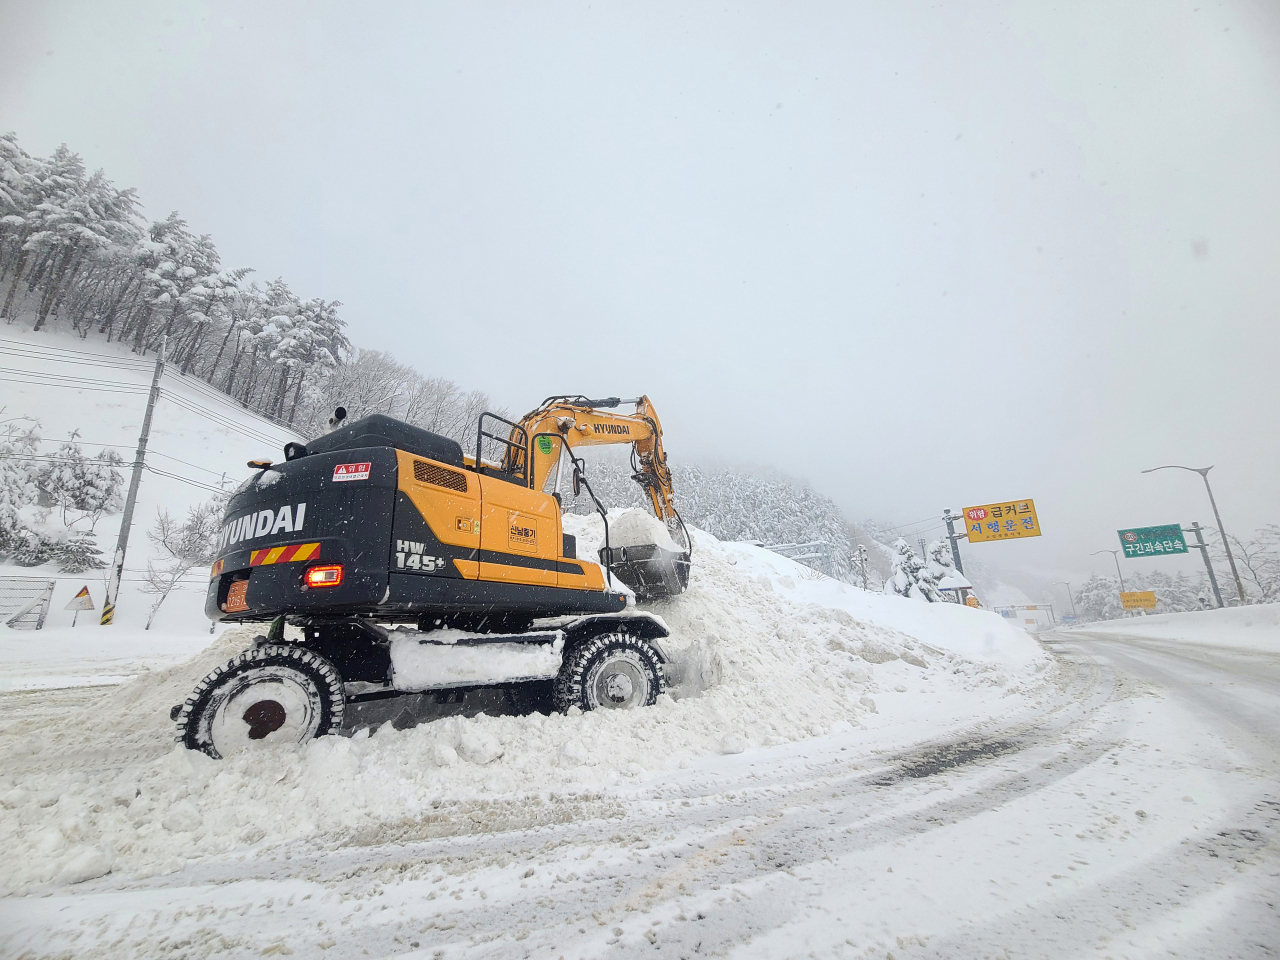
(88, 443)
(913, 523)
(121, 388)
(214, 393)
(187, 480)
(40, 351)
(187, 463)
(130, 446)
(46, 375)
(220, 419)
(50, 348)
(53, 358)
(54, 458)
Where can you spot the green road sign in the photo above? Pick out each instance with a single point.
(1153, 541)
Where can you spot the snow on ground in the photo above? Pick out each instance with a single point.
(89, 654)
(768, 653)
(1244, 628)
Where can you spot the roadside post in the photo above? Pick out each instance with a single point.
(954, 538)
(1070, 595)
(81, 601)
(1204, 552)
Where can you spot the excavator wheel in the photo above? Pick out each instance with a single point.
(614, 671)
(268, 695)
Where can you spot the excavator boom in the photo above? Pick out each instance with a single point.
(562, 424)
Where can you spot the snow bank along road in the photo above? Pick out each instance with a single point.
(1128, 807)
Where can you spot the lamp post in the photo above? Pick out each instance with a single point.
(1115, 555)
(1069, 596)
(1204, 475)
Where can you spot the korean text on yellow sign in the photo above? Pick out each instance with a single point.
(1138, 600)
(1001, 521)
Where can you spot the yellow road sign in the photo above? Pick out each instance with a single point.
(1009, 520)
(1138, 600)
(971, 602)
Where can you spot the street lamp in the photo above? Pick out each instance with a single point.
(1204, 475)
(1115, 555)
(1069, 595)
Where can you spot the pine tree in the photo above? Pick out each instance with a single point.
(908, 577)
(940, 567)
(78, 554)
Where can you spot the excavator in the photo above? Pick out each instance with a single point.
(391, 564)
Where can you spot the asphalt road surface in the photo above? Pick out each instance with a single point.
(1136, 813)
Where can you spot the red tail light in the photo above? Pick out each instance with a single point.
(330, 575)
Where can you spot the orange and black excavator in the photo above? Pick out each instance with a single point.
(405, 566)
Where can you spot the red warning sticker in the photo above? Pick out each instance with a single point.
(351, 471)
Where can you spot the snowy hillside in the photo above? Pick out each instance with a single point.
(200, 442)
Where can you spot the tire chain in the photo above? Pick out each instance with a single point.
(306, 661)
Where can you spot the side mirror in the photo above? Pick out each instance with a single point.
(577, 481)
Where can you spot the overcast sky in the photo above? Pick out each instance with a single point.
(922, 256)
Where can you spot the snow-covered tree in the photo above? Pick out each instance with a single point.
(941, 567)
(185, 544)
(78, 553)
(908, 577)
(1099, 599)
(19, 444)
(82, 488)
(1258, 563)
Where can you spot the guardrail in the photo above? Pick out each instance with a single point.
(24, 601)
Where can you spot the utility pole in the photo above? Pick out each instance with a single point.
(923, 555)
(1070, 596)
(860, 561)
(1204, 552)
(954, 539)
(1226, 545)
(126, 518)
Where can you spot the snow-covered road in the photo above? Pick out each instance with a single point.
(1135, 812)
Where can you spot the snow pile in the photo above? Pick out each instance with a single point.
(635, 528)
(1244, 628)
(766, 652)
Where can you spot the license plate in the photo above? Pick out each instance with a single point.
(237, 597)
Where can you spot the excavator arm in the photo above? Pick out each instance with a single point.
(569, 422)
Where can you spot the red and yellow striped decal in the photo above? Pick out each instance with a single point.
(289, 554)
(216, 571)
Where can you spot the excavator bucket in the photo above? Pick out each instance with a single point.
(646, 556)
(653, 572)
